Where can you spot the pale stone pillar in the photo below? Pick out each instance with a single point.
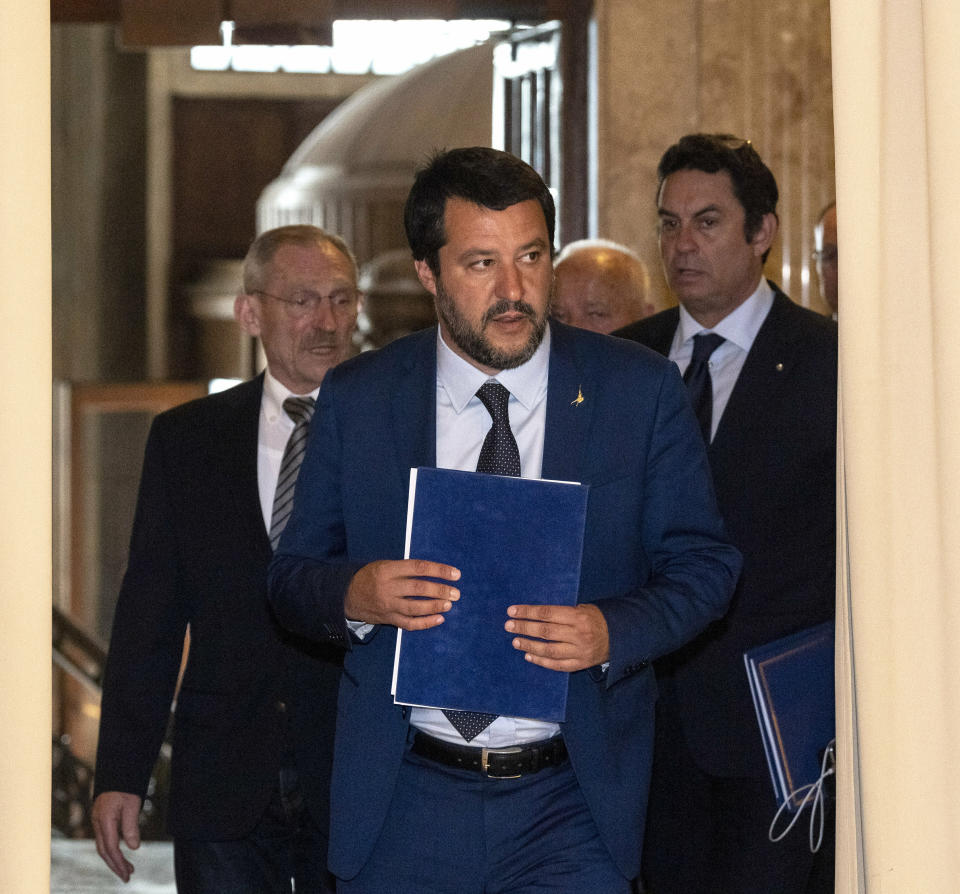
(647, 97)
(25, 411)
(756, 69)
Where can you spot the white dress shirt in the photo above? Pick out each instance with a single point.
(739, 328)
(272, 436)
(462, 425)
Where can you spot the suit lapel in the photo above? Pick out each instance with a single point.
(414, 401)
(766, 368)
(238, 439)
(570, 406)
(661, 330)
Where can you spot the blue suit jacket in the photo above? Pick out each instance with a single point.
(655, 560)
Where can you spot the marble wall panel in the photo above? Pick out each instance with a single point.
(757, 69)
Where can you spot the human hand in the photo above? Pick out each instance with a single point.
(116, 815)
(394, 592)
(576, 635)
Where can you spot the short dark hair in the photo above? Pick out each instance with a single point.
(478, 174)
(753, 183)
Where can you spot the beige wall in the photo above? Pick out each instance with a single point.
(25, 635)
(758, 69)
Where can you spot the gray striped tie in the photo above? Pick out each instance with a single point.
(300, 410)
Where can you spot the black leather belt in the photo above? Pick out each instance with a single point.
(497, 763)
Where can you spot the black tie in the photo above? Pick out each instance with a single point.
(498, 456)
(698, 381)
(300, 410)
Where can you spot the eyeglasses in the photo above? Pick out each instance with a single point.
(303, 302)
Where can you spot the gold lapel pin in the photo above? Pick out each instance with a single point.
(578, 399)
(779, 367)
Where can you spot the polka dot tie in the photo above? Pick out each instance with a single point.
(498, 456)
(300, 410)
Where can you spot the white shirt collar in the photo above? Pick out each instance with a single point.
(275, 393)
(740, 326)
(461, 379)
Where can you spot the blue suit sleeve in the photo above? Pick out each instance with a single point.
(693, 568)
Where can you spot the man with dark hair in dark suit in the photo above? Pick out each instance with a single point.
(420, 800)
(768, 415)
(248, 806)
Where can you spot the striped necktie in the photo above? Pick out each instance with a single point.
(300, 410)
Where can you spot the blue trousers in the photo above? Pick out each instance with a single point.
(452, 831)
(285, 852)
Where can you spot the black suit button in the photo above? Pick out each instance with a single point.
(281, 707)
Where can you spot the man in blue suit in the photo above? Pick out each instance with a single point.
(420, 802)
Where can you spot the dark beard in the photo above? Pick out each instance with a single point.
(474, 343)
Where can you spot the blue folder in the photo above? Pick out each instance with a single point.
(792, 683)
(515, 541)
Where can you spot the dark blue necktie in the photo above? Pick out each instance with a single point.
(499, 455)
(698, 381)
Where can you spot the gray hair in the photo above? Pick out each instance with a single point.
(263, 249)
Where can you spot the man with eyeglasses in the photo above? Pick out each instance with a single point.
(248, 807)
(825, 256)
(762, 373)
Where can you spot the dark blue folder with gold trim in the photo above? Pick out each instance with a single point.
(515, 541)
(792, 683)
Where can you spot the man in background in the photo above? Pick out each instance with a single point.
(762, 376)
(248, 807)
(825, 256)
(600, 285)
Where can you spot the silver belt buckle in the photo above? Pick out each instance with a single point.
(485, 760)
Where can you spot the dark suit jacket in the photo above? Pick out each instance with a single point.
(774, 467)
(199, 555)
(655, 559)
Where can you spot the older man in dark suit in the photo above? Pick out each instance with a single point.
(248, 804)
(420, 800)
(763, 376)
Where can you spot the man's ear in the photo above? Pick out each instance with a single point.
(246, 311)
(426, 277)
(766, 233)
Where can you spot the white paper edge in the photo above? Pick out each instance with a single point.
(777, 774)
(411, 499)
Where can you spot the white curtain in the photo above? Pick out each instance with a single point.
(896, 65)
(25, 425)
